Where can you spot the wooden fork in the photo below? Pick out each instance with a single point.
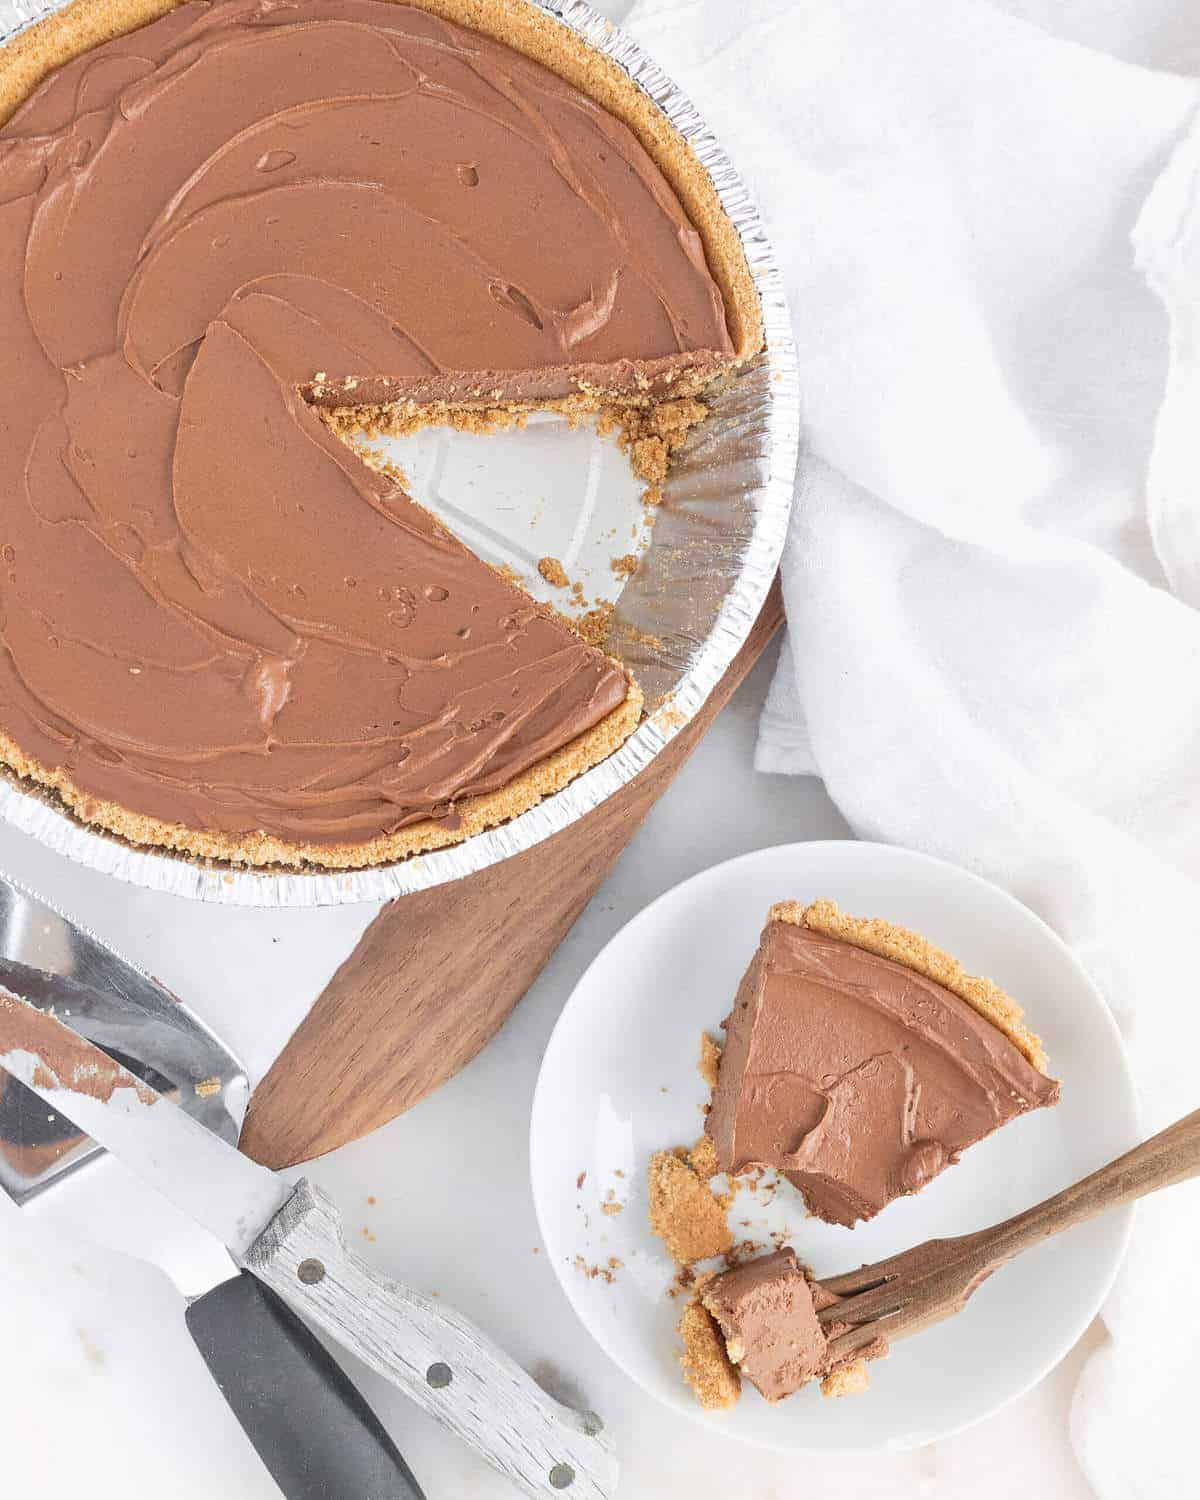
(901, 1295)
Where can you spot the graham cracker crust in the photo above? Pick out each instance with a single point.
(886, 940)
(649, 437)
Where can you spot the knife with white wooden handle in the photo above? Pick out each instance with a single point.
(290, 1239)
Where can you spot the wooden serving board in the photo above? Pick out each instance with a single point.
(423, 990)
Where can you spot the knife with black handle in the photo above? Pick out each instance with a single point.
(309, 1424)
(290, 1239)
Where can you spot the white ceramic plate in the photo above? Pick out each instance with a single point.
(619, 1082)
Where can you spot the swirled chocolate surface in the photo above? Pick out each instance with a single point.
(213, 612)
(858, 1078)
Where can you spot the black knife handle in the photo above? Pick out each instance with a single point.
(309, 1423)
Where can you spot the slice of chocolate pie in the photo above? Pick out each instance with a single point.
(759, 1321)
(768, 1318)
(860, 1061)
(229, 230)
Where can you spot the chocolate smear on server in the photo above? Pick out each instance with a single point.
(857, 1075)
(64, 1061)
(215, 614)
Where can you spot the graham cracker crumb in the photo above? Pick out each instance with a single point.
(710, 1059)
(683, 1281)
(403, 418)
(553, 572)
(706, 1365)
(669, 716)
(684, 1212)
(207, 1088)
(651, 435)
(643, 637)
(594, 626)
(847, 1380)
(356, 440)
(607, 1273)
(626, 566)
(702, 1158)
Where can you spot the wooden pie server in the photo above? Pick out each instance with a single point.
(437, 973)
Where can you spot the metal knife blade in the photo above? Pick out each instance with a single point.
(207, 1179)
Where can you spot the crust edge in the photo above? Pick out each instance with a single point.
(260, 850)
(902, 946)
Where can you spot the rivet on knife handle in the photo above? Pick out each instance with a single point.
(439, 1359)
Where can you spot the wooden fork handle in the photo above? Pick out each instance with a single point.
(910, 1291)
(1171, 1156)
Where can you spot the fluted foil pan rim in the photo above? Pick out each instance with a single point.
(24, 807)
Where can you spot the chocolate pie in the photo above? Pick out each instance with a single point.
(759, 1321)
(860, 1061)
(230, 232)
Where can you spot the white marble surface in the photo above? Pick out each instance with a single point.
(101, 1393)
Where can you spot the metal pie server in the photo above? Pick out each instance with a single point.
(289, 1242)
(49, 959)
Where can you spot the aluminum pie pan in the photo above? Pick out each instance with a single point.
(689, 609)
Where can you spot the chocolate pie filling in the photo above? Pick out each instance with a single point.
(214, 613)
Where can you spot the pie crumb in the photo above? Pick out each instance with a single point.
(710, 1059)
(702, 1158)
(651, 435)
(607, 1274)
(594, 626)
(847, 1380)
(706, 1365)
(684, 1212)
(553, 572)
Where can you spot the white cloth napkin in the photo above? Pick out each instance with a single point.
(994, 565)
